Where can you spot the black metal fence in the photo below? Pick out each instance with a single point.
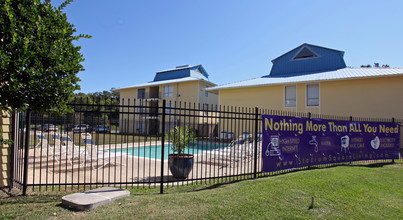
(126, 145)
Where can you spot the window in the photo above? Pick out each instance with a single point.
(139, 127)
(290, 96)
(312, 95)
(168, 108)
(168, 91)
(206, 93)
(141, 93)
(205, 108)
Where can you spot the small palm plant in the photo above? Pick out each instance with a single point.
(180, 138)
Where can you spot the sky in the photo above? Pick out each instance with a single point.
(234, 40)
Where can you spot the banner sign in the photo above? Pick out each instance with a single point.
(290, 142)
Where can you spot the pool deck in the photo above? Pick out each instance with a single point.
(132, 170)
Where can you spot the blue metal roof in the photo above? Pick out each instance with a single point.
(179, 74)
(307, 59)
(340, 74)
(163, 82)
(196, 71)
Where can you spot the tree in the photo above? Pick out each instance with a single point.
(103, 105)
(38, 60)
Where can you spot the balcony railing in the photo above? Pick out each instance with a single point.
(150, 96)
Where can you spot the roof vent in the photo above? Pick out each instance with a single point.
(305, 53)
(183, 66)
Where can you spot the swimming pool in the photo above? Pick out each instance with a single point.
(154, 151)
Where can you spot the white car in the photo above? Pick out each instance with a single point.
(82, 128)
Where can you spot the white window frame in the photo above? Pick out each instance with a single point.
(205, 91)
(285, 96)
(308, 95)
(168, 91)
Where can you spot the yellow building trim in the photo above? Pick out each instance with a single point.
(5, 124)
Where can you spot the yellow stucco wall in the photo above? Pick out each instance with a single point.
(211, 99)
(265, 97)
(187, 92)
(5, 124)
(191, 92)
(378, 97)
(371, 97)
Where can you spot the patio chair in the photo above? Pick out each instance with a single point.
(59, 150)
(43, 141)
(230, 135)
(234, 153)
(245, 137)
(223, 135)
(240, 151)
(69, 143)
(43, 146)
(259, 136)
(69, 149)
(94, 155)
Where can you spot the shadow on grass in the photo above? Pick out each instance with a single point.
(371, 165)
(317, 167)
(69, 208)
(20, 199)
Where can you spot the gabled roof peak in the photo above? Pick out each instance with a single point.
(196, 71)
(306, 45)
(307, 58)
(179, 68)
(305, 53)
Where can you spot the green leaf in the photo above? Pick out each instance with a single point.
(39, 62)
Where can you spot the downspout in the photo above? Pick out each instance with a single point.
(219, 97)
(177, 92)
(198, 91)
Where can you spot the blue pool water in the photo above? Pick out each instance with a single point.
(154, 151)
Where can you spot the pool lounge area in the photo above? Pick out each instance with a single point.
(154, 151)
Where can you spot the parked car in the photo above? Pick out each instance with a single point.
(82, 128)
(47, 127)
(102, 129)
(70, 127)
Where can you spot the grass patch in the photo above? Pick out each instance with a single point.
(341, 192)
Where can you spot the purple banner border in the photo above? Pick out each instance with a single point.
(291, 142)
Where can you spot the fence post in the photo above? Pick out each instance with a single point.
(393, 121)
(12, 150)
(26, 152)
(162, 147)
(351, 119)
(309, 116)
(256, 132)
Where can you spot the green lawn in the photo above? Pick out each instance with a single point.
(342, 192)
